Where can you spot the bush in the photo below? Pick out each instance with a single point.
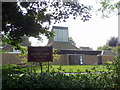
(13, 69)
(15, 76)
(51, 80)
(108, 63)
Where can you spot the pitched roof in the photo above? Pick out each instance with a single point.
(108, 53)
(78, 52)
(85, 48)
(62, 45)
(59, 27)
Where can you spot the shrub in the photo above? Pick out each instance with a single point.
(108, 63)
(15, 76)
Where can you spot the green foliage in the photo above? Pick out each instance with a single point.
(23, 56)
(70, 40)
(108, 7)
(116, 49)
(105, 47)
(35, 18)
(15, 76)
(71, 68)
(112, 42)
(116, 67)
(55, 56)
(13, 69)
(108, 62)
(18, 77)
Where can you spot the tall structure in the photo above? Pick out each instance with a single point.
(69, 53)
(61, 34)
(60, 41)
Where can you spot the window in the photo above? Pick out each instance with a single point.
(61, 35)
(81, 59)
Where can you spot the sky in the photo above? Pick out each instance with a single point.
(92, 33)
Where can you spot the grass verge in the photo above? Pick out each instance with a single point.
(71, 68)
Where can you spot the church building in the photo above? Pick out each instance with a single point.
(69, 53)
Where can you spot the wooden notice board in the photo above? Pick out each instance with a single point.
(40, 54)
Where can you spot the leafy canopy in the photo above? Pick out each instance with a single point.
(113, 41)
(112, 45)
(34, 18)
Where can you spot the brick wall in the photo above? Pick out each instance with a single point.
(62, 61)
(87, 60)
(10, 58)
(90, 60)
(107, 58)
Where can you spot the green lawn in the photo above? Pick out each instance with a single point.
(71, 68)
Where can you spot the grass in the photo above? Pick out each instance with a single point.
(71, 68)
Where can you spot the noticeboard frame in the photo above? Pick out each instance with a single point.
(40, 54)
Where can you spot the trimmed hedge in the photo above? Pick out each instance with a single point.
(16, 77)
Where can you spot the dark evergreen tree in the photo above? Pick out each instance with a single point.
(113, 41)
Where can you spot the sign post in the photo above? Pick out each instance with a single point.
(40, 66)
(48, 67)
(40, 54)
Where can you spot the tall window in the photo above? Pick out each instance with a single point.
(81, 59)
(61, 35)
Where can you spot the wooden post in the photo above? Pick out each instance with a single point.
(31, 67)
(48, 67)
(41, 67)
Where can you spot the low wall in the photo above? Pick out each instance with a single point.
(10, 58)
(90, 60)
(107, 58)
(62, 61)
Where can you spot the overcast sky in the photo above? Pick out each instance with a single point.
(93, 33)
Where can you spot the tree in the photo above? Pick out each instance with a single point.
(112, 42)
(104, 47)
(16, 24)
(34, 18)
(109, 6)
(25, 41)
(70, 40)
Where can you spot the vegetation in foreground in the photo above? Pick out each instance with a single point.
(70, 68)
(15, 76)
(61, 68)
